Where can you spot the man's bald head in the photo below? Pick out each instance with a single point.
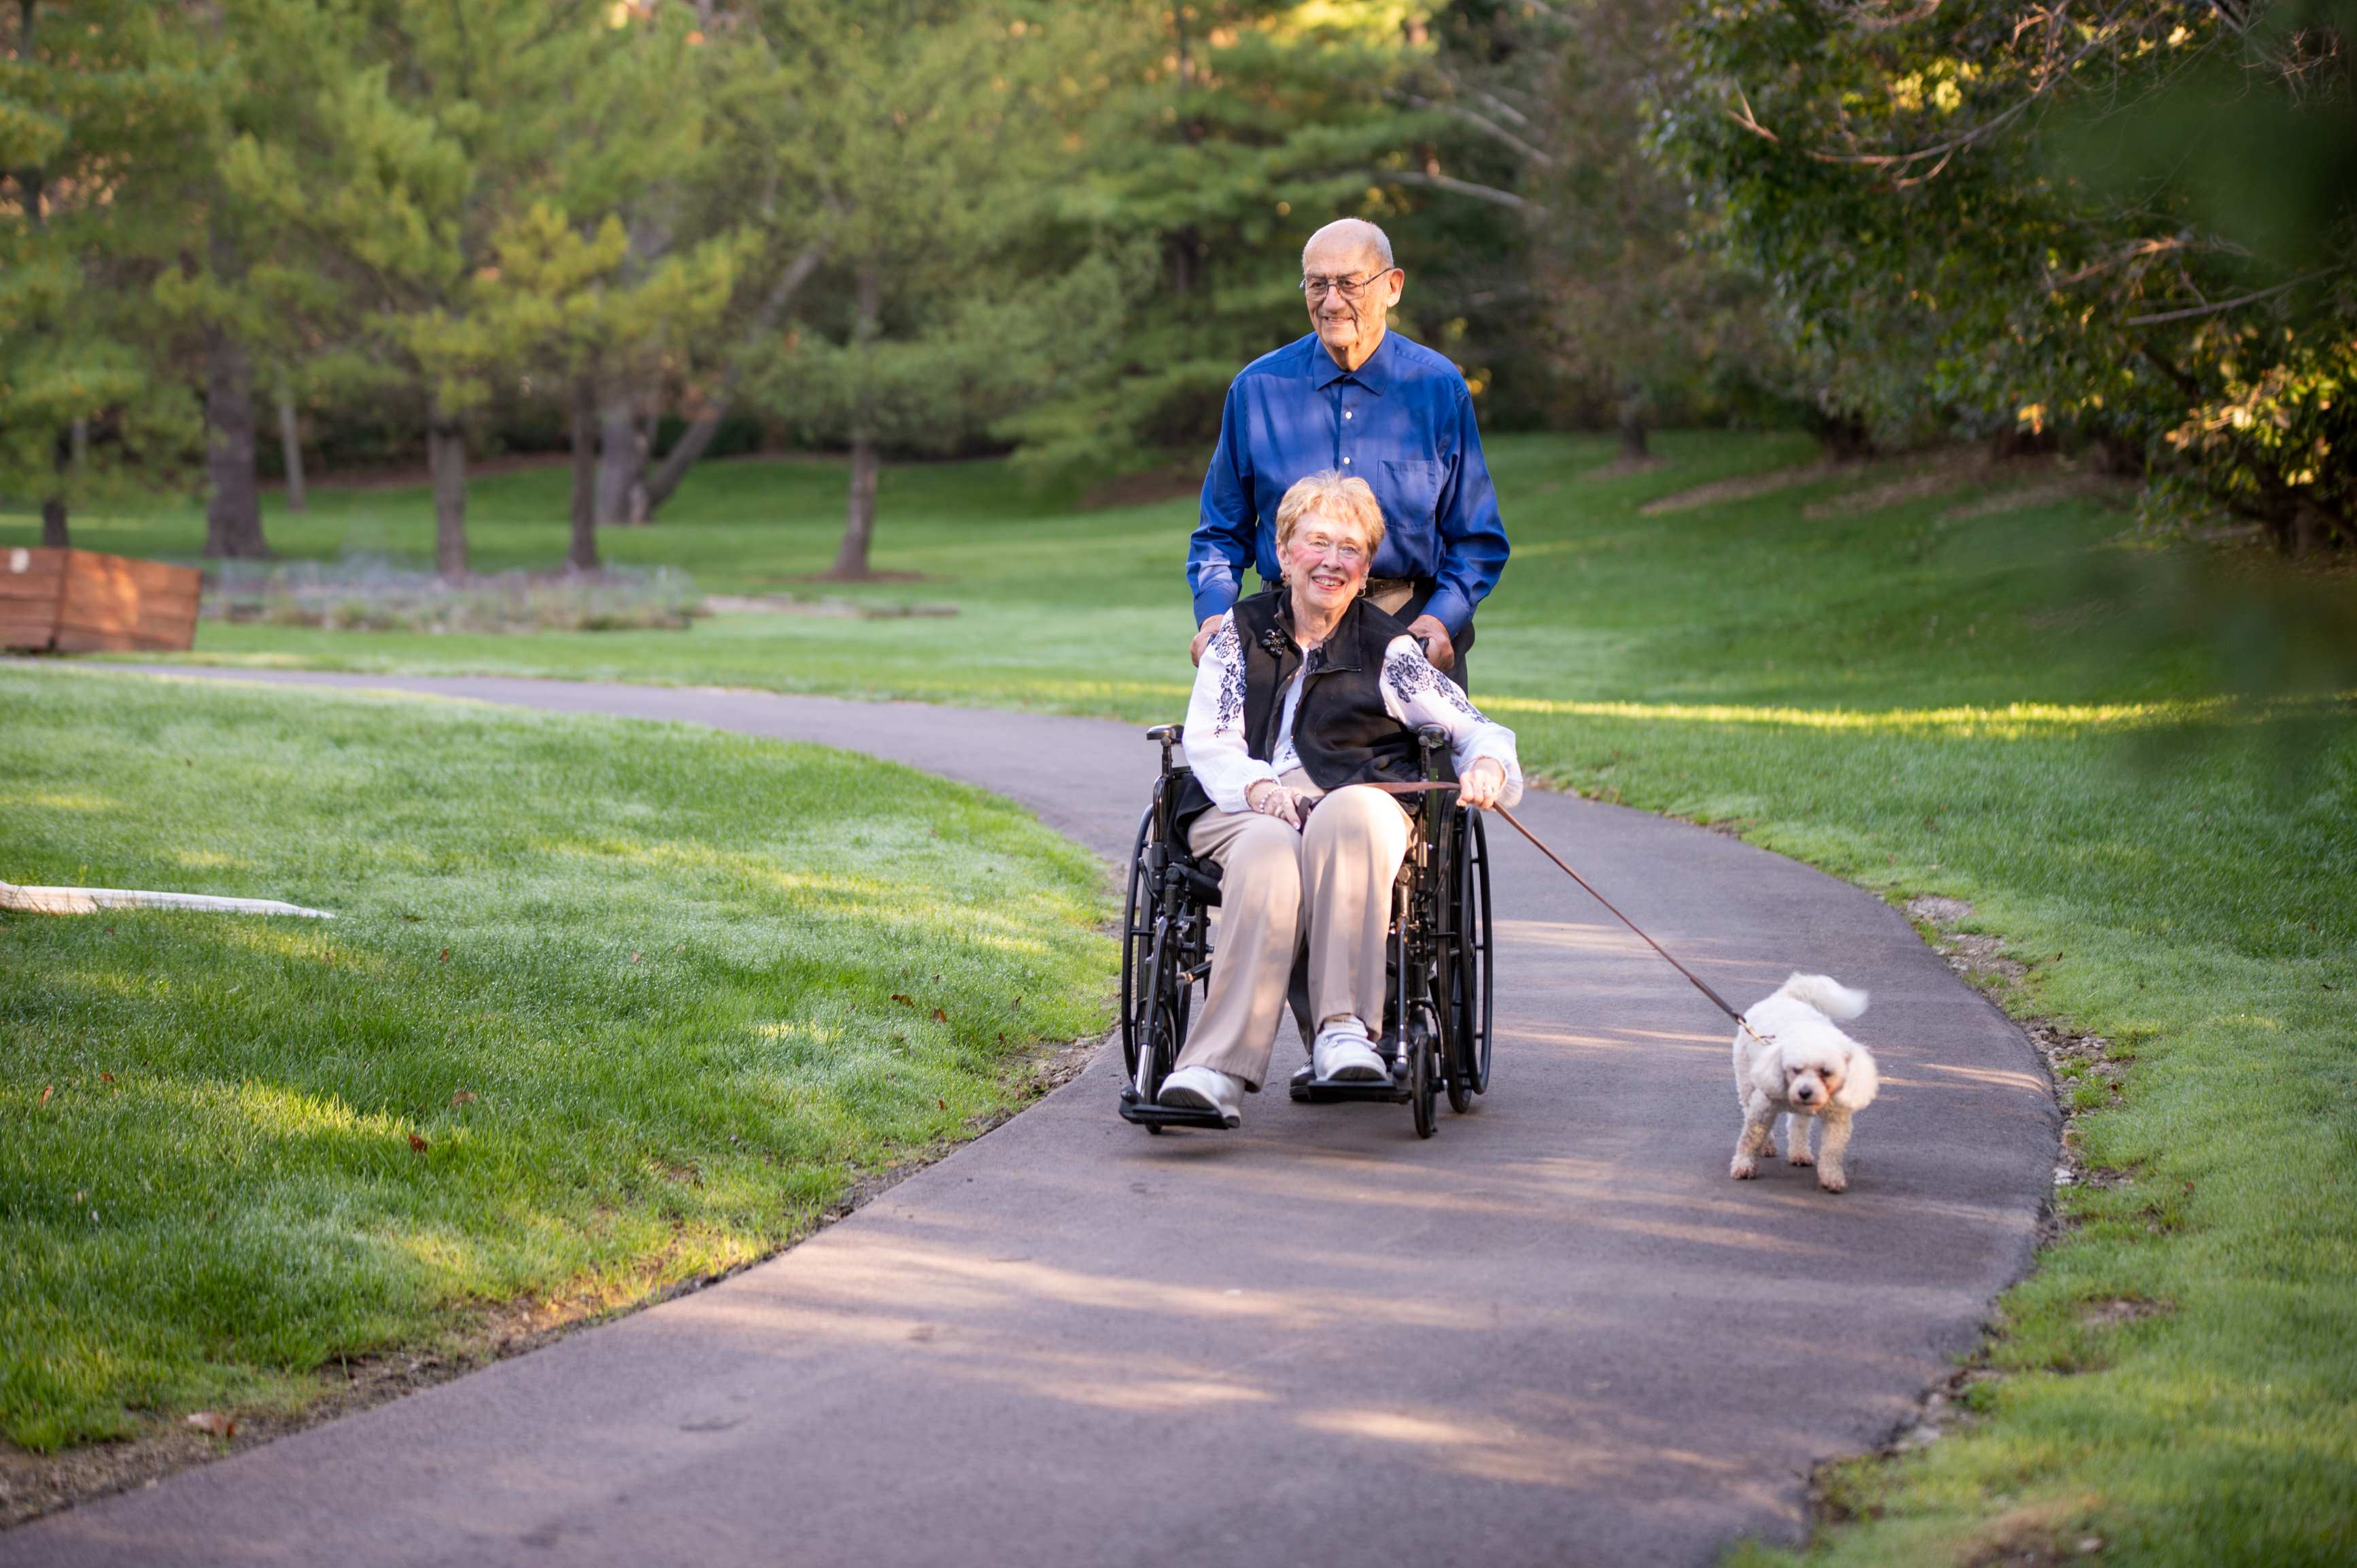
(1349, 239)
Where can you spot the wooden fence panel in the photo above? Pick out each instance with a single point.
(32, 583)
(78, 601)
(112, 603)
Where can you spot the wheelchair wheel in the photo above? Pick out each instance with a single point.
(1138, 919)
(1470, 979)
(1162, 1029)
(1423, 1045)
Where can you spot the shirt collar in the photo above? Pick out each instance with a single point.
(1374, 375)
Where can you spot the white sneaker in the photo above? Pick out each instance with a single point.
(1205, 1089)
(1343, 1054)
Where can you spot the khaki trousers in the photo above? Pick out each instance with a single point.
(1332, 881)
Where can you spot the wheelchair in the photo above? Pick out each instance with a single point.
(1438, 978)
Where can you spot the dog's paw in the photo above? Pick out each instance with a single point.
(1744, 1168)
(1800, 1156)
(1833, 1181)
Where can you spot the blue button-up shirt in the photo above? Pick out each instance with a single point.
(1403, 422)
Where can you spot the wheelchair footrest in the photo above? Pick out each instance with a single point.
(1309, 1090)
(1147, 1114)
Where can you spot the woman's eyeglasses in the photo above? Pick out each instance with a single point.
(1348, 556)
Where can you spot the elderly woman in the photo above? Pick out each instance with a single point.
(1306, 694)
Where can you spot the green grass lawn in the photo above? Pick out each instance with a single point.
(643, 1021)
(2011, 705)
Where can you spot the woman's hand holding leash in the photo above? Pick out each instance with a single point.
(1483, 782)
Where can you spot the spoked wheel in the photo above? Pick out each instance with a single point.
(1470, 980)
(1423, 1045)
(1137, 912)
(1163, 1028)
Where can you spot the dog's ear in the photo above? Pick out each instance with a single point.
(1858, 1082)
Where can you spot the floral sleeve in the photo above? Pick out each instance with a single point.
(1215, 745)
(1417, 695)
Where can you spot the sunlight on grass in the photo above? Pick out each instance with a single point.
(2013, 719)
(241, 1148)
(53, 800)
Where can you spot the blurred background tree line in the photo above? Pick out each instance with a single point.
(239, 237)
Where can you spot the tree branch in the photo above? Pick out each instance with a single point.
(1479, 122)
(1489, 193)
(698, 437)
(2190, 312)
(2049, 75)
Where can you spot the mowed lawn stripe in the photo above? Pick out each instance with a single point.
(606, 1005)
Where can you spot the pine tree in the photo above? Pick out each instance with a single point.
(97, 103)
(262, 290)
(938, 144)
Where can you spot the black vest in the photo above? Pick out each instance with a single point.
(1341, 729)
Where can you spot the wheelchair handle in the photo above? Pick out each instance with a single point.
(1168, 735)
(1434, 739)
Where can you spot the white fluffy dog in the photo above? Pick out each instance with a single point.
(1808, 1069)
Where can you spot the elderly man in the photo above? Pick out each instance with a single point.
(1361, 400)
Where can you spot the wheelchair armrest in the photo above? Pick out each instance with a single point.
(1433, 736)
(1168, 734)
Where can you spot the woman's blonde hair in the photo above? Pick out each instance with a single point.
(1338, 497)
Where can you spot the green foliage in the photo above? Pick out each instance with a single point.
(1637, 317)
(1224, 134)
(639, 1018)
(98, 103)
(1991, 223)
(938, 144)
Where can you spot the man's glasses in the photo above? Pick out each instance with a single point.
(1318, 288)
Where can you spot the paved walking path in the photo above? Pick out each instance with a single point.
(1555, 1334)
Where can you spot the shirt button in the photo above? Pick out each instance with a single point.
(1346, 462)
(1346, 413)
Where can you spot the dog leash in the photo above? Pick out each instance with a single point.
(1564, 866)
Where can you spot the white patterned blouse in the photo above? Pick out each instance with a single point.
(1413, 693)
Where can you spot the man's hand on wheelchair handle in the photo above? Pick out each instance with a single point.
(1483, 782)
(1428, 630)
(1203, 636)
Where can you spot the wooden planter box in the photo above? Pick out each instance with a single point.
(78, 601)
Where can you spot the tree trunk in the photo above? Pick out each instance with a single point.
(1632, 414)
(53, 505)
(1842, 437)
(691, 446)
(621, 460)
(233, 514)
(583, 557)
(697, 437)
(445, 456)
(290, 448)
(78, 439)
(859, 516)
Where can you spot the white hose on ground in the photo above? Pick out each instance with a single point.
(90, 901)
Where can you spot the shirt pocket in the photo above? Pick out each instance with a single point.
(1411, 491)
